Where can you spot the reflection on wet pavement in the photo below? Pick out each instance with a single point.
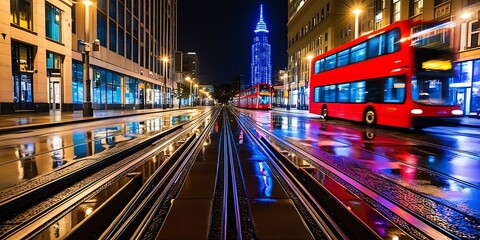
(444, 176)
(27, 157)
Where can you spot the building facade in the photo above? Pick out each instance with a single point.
(132, 69)
(261, 54)
(315, 27)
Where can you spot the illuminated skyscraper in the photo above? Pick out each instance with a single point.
(261, 54)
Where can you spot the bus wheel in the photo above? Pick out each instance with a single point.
(324, 112)
(369, 117)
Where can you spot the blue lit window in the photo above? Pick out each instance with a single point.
(357, 92)
(319, 66)
(358, 52)
(394, 90)
(317, 94)
(77, 85)
(329, 93)
(344, 58)
(331, 62)
(393, 41)
(52, 23)
(343, 92)
(376, 46)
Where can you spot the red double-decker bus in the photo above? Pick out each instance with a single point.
(388, 77)
(258, 96)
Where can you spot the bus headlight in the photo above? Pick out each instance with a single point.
(416, 111)
(457, 112)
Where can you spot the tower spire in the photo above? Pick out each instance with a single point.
(261, 25)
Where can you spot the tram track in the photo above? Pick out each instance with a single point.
(221, 208)
(29, 208)
(430, 221)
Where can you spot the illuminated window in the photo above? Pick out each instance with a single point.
(329, 93)
(394, 90)
(357, 92)
(343, 92)
(396, 11)
(21, 13)
(417, 7)
(358, 53)
(52, 23)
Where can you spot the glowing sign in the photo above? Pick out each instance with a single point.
(437, 65)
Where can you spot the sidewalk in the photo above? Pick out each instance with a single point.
(464, 121)
(31, 120)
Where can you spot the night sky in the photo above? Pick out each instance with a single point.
(221, 33)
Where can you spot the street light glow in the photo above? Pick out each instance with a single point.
(87, 2)
(356, 11)
(466, 15)
(165, 59)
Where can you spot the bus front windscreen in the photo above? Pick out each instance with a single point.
(433, 91)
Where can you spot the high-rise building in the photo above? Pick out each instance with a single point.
(261, 54)
(45, 45)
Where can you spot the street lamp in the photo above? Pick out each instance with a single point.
(196, 92)
(307, 80)
(165, 60)
(357, 13)
(285, 79)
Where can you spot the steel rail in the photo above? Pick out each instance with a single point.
(38, 222)
(134, 222)
(419, 222)
(326, 224)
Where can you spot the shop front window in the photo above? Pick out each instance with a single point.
(77, 85)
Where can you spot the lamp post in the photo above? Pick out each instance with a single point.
(357, 13)
(287, 84)
(87, 104)
(165, 62)
(307, 80)
(195, 93)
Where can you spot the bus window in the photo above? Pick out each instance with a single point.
(319, 66)
(376, 46)
(343, 92)
(329, 93)
(372, 93)
(433, 91)
(358, 52)
(331, 62)
(343, 58)
(357, 92)
(264, 99)
(394, 90)
(316, 94)
(393, 40)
